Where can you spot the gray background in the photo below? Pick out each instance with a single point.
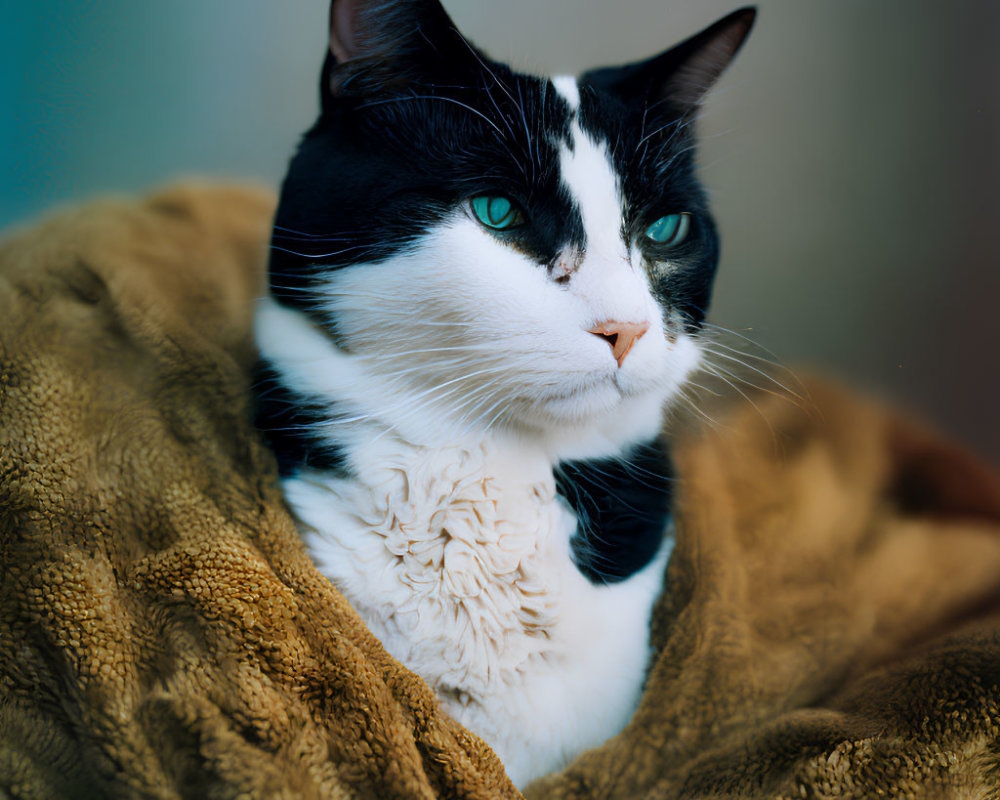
(853, 151)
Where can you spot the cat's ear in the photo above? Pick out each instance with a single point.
(379, 43)
(685, 73)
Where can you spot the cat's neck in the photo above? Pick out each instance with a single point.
(355, 404)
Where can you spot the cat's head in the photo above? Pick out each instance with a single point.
(500, 248)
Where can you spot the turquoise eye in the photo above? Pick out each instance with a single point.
(670, 230)
(496, 212)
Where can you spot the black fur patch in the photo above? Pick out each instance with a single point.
(377, 172)
(652, 148)
(288, 421)
(622, 507)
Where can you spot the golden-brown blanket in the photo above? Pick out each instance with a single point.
(830, 626)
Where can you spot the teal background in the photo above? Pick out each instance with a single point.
(852, 151)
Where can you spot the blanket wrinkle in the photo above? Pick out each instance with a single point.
(830, 625)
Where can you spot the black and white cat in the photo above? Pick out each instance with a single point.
(485, 288)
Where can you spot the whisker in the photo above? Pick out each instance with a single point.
(440, 98)
(320, 255)
(771, 378)
(743, 353)
(764, 367)
(708, 369)
(652, 133)
(527, 130)
(746, 339)
(718, 370)
(395, 354)
(294, 232)
(692, 405)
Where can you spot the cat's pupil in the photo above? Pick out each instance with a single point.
(496, 212)
(669, 230)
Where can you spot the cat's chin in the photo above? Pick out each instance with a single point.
(580, 406)
(613, 408)
(581, 427)
(599, 405)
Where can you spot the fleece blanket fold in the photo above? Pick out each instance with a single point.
(830, 625)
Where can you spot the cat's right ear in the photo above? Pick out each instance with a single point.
(378, 44)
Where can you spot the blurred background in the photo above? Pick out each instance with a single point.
(852, 152)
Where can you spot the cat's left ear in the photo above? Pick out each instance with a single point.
(683, 74)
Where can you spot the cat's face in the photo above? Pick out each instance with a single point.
(498, 248)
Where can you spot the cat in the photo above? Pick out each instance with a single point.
(485, 289)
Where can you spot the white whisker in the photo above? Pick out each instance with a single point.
(760, 372)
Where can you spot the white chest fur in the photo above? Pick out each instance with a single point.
(458, 559)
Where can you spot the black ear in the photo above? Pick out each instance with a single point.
(380, 43)
(683, 74)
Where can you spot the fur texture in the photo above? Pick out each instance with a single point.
(831, 627)
(463, 440)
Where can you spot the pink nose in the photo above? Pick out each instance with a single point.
(620, 335)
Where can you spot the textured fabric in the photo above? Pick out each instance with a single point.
(830, 627)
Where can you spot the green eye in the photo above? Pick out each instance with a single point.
(496, 212)
(670, 230)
